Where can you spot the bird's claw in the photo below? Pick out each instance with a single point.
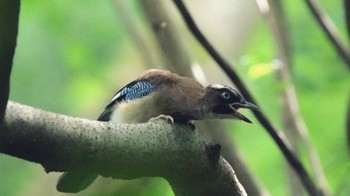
(168, 118)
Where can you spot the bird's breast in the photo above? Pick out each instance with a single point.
(167, 101)
(135, 111)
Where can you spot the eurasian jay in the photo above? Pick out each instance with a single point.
(160, 92)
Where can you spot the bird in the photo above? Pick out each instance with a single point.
(163, 93)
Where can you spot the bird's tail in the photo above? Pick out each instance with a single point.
(73, 182)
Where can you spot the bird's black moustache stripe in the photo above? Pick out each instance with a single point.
(222, 109)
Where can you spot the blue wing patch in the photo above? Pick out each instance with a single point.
(133, 90)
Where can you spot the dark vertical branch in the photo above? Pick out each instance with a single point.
(175, 49)
(9, 13)
(293, 161)
(330, 29)
(347, 15)
(347, 21)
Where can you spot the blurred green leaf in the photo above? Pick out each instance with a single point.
(260, 70)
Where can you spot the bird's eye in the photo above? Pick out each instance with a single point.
(225, 95)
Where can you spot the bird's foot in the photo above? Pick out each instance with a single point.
(168, 118)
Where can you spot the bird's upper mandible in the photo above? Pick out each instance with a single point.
(158, 92)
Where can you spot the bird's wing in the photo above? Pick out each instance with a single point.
(133, 90)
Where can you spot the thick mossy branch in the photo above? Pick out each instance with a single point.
(124, 151)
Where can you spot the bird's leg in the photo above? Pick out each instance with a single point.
(168, 118)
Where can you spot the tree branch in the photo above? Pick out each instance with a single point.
(291, 158)
(9, 12)
(347, 15)
(234, 157)
(124, 151)
(293, 123)
(176, 51)
(330, 29)
(173, 49)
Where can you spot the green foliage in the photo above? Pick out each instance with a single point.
(60, 44)
(322, 83)
(69, 52)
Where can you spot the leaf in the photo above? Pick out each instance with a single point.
(259, 70)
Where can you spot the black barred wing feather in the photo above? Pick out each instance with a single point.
(133, 90)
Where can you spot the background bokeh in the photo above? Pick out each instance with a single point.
(72, 56)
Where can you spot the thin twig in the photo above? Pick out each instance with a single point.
(347, 15)
(293, 161)
(347, 22)
(347, 19)
(293, 122)
(275, 19)
(232, 154)
(229, 149)
(179, 55)
(9, 12)
(330, 29)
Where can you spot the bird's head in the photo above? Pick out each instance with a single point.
(222, 102)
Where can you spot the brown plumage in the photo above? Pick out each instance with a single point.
(180, 97)
(158, 92)
(176, 96)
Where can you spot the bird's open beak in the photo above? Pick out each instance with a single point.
(248, 105)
